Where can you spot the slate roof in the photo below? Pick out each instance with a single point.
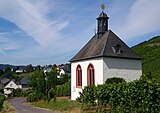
(67, 68)
(4, 81)
(24, 81)
(102, 46)
(102, 15)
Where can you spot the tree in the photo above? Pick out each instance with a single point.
(54, 65)
(7, 69)
(7, 73)
(1, 72)
(38, 68)
(42, 82)
(63, 79)
(29, 68)
(52, 78)
(37, 81)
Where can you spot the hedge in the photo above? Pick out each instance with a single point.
(63, 90)
(141, 96)
(115, 80)
(35, 96)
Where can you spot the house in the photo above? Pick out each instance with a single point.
(66, 69)
(19, 71)
(4, 82)
(47, 69)
(24, 83)
(10, 86)
(61, 71)
(104, 56)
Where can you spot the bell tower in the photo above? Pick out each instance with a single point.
(102, 21)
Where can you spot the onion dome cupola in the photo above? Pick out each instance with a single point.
(102, 22)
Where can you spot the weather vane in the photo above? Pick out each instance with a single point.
(102, 6)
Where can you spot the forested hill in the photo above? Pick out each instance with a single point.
(150, 52)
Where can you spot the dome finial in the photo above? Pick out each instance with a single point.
(102, 7)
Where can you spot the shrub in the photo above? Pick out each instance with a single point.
(16, 93)
(52, 93)
(141, 96)
(87, 97)
(2, 99)
(114, 80)
(26, 93)
(63, 90)
(35, 96)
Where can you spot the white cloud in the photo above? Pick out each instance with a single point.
(143, 18)
(30, 16)
(7, 44)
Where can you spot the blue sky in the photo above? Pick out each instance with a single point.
(53, 31)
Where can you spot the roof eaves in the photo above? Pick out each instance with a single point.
(86, 58)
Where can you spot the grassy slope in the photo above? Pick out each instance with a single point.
(150, 52)
(62, 105)
(26, 74)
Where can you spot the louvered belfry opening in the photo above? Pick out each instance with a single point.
(102, 23)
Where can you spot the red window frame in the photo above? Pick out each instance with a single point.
(90, 75)
(79, 77)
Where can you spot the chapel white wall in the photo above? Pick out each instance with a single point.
(129, 69)
(98, 66)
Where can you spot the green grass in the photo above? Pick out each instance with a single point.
(62, 105)
(150, 52)
(7, 108)
(26, 74)
(65, 106)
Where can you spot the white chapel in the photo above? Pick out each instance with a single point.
(104, 56)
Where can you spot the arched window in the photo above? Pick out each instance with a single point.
(90, 75)
(79, 77)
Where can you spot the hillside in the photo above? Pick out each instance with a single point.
(3, 66)
(150, 52)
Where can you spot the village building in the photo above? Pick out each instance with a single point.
(104, 56)
(10, 86)
(24, 83)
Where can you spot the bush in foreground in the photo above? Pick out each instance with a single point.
(35, 96)
(141, 96)
(114, 80)
(2, 99)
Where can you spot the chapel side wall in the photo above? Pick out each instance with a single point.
(98, 67)
(129, 69)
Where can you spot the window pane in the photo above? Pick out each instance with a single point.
(79, 76)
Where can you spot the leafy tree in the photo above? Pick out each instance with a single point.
(52, 78)
(7, 69)
(29, 68)
(50, 65)
(38, 68)
(42, 82)
(37, 81)
(63, 80)
(1, 72)
(54, 65)
(8, 75)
